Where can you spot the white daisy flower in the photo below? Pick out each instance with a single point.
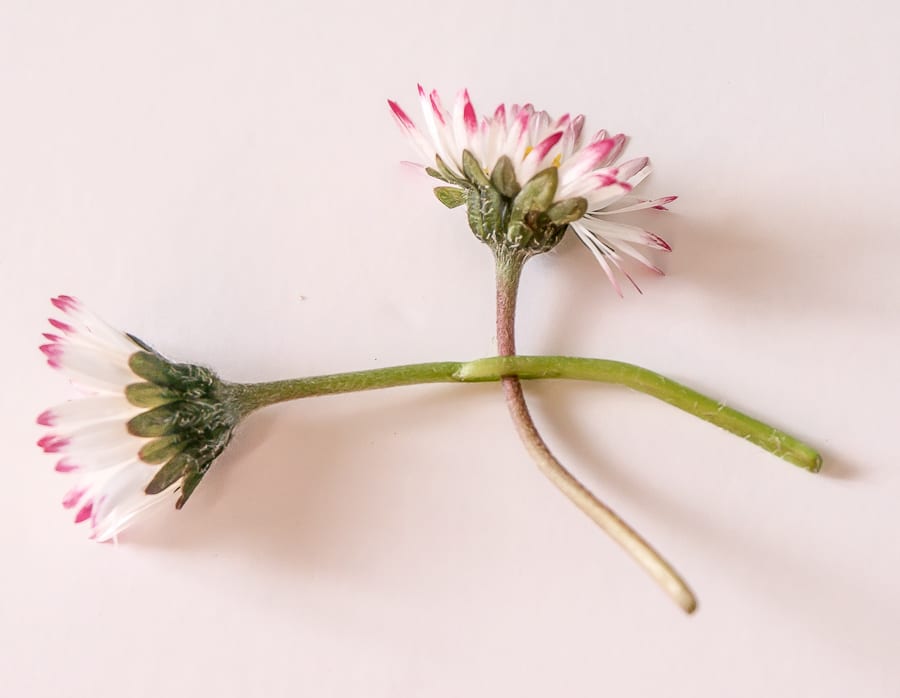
(145, 430)
(490, 162)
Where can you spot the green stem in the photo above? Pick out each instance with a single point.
(256, 395)
(509, 268)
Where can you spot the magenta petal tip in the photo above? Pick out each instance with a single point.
(53, 350)
(52, 443)
(46, 418)
(655, 240)
(60, 325)
(84, 513)
(72, 498)
(65, 303)
(64, 466)
(400, 114)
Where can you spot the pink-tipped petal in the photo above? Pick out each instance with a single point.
(51, 443)
(398, 112)
(435, 100)
(520, 128)
(412, 132)
(541, 149)
(84, 513)
(65, 466)
(661, 203)
(500, 115)
(46, 418)
(62, 326)
(629, 169)
(469, 118)
(578, 127)
(53, 350)
(73, 496)
(586, 160)
(65, 303)
(654, 240)
(619, 142)
(602, 180)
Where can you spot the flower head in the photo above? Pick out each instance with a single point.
(146, 429)
(526, 177)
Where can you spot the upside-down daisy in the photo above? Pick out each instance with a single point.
(146, 429)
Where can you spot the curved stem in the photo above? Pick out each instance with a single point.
(508, 274)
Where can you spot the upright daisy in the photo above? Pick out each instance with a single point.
(525, 177)
(145, 430)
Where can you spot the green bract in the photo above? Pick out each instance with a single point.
(502, 213)
(191, 417)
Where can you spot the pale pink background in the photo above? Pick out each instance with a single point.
(222, 180)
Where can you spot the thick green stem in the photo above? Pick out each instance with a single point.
(256, 395)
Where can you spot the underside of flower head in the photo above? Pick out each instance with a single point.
(146, 429)
(526, 177)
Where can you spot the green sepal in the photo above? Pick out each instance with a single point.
(171, 472)
(431, 172)
(473, 170)
(162, 449)
(160, 421)
(492, 210)
(567, 211)
(149, 395)
(504, 178)
(191, 480)
(519, 236)
(451, 197)
(473, 210)
(153, 368)
(140, 342)
(446, 174)
(537, 194)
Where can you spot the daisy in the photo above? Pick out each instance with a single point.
(526, 176)
(145, 429)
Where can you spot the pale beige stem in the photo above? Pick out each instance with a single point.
(508, 272)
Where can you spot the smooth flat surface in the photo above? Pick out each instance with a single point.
(191, 170)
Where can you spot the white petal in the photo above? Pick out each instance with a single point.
(123, 491)
(600, 198)
(89, 409)
(92, 368)
(619, 231)
(99, 437)
(640, 205)
(92, 327)
(123, 516)
(599, 252)
(635, 171)
(438, 121)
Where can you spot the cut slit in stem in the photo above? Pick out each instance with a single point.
(508, 273)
